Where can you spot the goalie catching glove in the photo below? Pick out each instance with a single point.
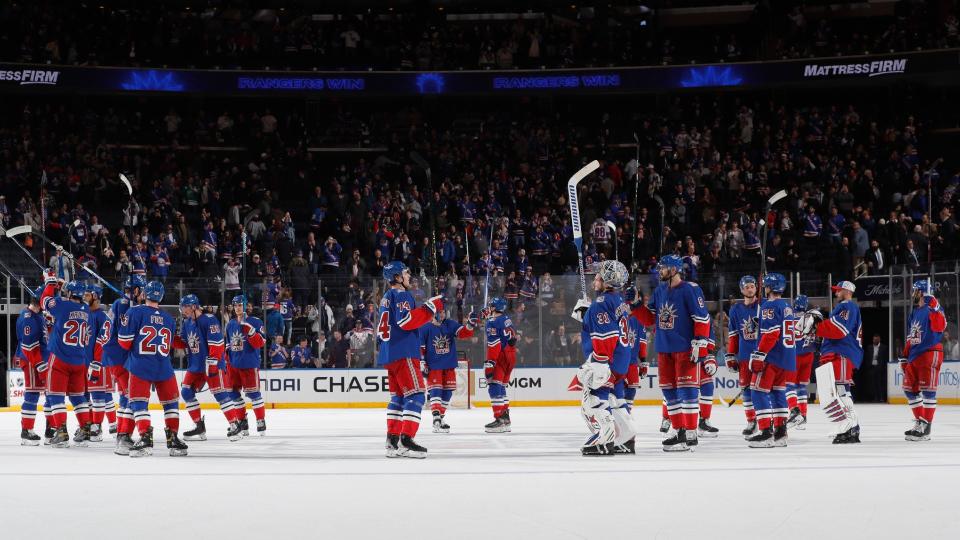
(580, 310)
(809, 321)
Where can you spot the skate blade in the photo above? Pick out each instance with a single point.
(392, 453)
(195, 437)
(779, 444)
(234, 438)
(141, 453)
(61, 445)
(28, 442)
(496, 430)
(177, 453)
(676, 448)
(122, 452)
(97, 438)
(414, 454)
(262, 433)
(707, 434)
(801, 427)
(761, 444)
(81, 444)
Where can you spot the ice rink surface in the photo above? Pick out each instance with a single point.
(322, 474)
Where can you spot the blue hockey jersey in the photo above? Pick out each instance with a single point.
(98, 319)
(842, 333)
(71, 322)
(397, 324)
(605, 333)
(148, 332)
(680, 315)
(110, 351)
(32, 342)
(926, 331)
(743, 330)
(439, 343)
(243, 350)
(202, 338)
(500, 334)
(777, 334)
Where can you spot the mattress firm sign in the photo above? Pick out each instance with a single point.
(868, 69)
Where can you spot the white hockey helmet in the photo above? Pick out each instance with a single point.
(613, 273)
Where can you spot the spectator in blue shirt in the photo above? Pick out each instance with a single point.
(279, 357)
(330, 256)
(274, 323)
(301, 356)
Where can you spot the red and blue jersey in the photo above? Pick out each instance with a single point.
(636, 340)
(500, 335)
(605, 332)
(278, 356)
(108, 349)
(397, 322)
(301, 356)
(438, 343)
(98, 319)
(680, 315)
(778, 336)
(927, 324)
(842, 333)
(243, 347)
(71, 327)
(33, 344)
(743, 331)
(286, 309)
(147, 333)
(201, 338)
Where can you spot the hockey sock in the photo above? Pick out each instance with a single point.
(394, 415)
(226, 405)
(706, 400)
(256, 399)
(496, 398)
(81, 408)
(171, 416)
(663, 410)
(802, 398)
(929, 405)
(778, 401)
(629, 396)
(412, 405)
(58, 411)
(141, 416)
(28, 411)
(762, 405)
(110, 409)
(436, 400)
(690, 406)
(748, 409)
(915, 402)
(674, 407)
(191, 403)
(791, 396)
(48, 411)
(124, 416)
(445, 396)
(98, 401)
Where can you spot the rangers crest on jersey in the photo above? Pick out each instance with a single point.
(667, 316)
(193, 342)
(916, 334)
(236, 342)
(750, 329)
(441, 344)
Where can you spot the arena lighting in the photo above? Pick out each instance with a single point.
(152, 81)
(699, 77)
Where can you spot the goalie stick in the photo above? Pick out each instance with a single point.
(574, 201)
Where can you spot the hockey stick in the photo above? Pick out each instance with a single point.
(27, 229)
(486, 285)
(11, 234)
(616, 241)
(774, 199)
(636, 197)
(733, 400)
(574, 200)
(18, 279)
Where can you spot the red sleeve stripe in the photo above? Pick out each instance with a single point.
(30, 347)
(839, 325)
(771, 329)
(703, 319)
(212, 343)
(604, 335)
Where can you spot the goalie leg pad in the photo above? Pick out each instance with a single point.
(599, 419)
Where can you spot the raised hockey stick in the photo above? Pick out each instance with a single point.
(17, 278)
(486, 284)
(574, 200)
(774, 199)
(12, 234)
(616, 241)
(27, 229)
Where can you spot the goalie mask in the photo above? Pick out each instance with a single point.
(613, 274)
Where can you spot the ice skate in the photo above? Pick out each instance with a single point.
(409, 448)
(261, 427)
(393, 446)
(796, 419)
(677, 442)
(750, 430)
(48, 435)
(244, 426)
(96, 433)
(176, 446)
(233, 432)
(143, 447)
(850, 436)
(198, 433)
(919, 432)
(628, 447)
(780, 436)
(497, 426)
(81, 437)
(593, 447)
(762, 439)
(60, 439)
(112, 429)
(124, 444)
(438, 426)
(29, 438)
(664, 425)
(691, 438)
(505, 417)
(706, 430)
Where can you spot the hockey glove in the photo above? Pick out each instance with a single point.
(631, 297)
(472, 320)
(580, 310)
(809, 321)
(93, 371)
(697, 347)
(49, 277)
(42, 366)
(710, 365)
(757, 360)
(903, 363)
(931, 301)
(644, 369)
(488, 369)
(732, 363)
(434, 304)
(485, 313)
(593, 375)
(247, 329)
(212, 366)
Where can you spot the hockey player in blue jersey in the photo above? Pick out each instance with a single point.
(774, 358)
(800, 379)
(68, 356)
(148, 333)
(438, 345)
(399, 352)
(113, 358)
(202, 339)
(842, 333)
(743, 332)
(637, 339)
(99, 384)
(32, 348)
(678, 310)
(606, 346)
(922, 359)
(244, 339)
(501, 359)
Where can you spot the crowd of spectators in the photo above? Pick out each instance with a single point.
(227, 37)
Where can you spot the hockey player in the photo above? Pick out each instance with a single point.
(438, 345)
(842, 349)
(399, 352)
(148, 333)
(606, 346)
(679, 312)
(638, 368)
(202, 338)
(806, 346)
(774, 358)
(68, 356)
(99, 382)
(922, 359)
(501, 358)
(33, 361)
(245, 337)
(113, 358)
(743, 332)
